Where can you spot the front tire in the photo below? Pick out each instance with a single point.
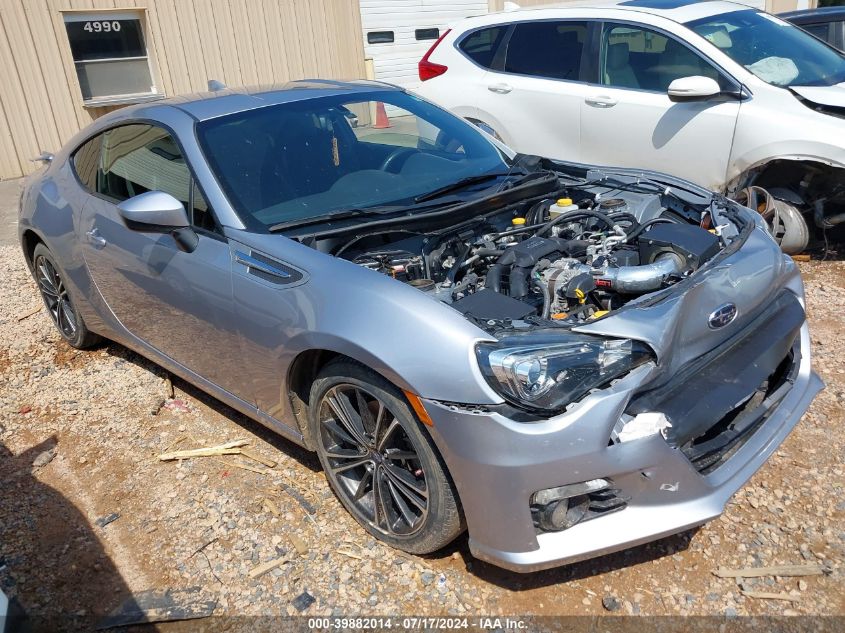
(380, 462)
(58, 302)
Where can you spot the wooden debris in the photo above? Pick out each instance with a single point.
(764, 595)
(298, 544)
(177, 442)
(168, 387)
(253, 469)
(801, 258)
(258, 458)
(229, 448)
(775, 570)
(350, 554)
(262, 569)
(271, 507)
(26, 315)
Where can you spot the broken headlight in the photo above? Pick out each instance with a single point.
(548, 372)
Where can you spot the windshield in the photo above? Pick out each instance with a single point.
(295, 161)
(776, 51)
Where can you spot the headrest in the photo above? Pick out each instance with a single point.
(617, 56)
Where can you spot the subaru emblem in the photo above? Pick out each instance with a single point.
(722, 316)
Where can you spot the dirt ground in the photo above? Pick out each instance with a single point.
(89, 516)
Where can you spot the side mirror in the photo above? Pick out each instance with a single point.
(694, 88)
(159, 212)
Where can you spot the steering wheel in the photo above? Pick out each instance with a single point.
(394, 160)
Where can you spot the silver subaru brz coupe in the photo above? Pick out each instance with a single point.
(566, 360)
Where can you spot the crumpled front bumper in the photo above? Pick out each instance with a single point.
(497, 463)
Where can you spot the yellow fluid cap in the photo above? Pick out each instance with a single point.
(518, 221)
(564, 202)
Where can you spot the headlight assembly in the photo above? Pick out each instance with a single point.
(546, 372)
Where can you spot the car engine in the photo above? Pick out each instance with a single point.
(565, 261)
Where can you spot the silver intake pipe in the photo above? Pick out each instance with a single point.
(639, 279)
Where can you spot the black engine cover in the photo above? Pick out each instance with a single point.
(691, 242)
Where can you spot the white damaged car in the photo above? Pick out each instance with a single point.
(731, 98)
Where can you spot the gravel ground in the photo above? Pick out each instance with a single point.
(79, 437)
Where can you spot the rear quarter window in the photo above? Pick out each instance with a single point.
(547, 49)
(481, 46)
(85, 161)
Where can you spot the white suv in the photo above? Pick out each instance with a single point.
(714, 92)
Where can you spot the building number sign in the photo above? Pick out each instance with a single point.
(102, 26)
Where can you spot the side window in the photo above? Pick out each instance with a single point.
(201, 216)
(481, 46)
(140, 158)
(821, 31)
(632, 57)
(86, 159)
(547, 49)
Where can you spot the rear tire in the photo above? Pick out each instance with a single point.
(381, 465)
(57, 300)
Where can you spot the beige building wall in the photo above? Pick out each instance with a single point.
(239, 42)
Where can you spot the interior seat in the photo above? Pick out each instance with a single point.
(617, 67)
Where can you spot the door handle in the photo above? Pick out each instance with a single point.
(95, 238)
(601, 101)
(501, 89)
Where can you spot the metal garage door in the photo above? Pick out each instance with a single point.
(397, 33)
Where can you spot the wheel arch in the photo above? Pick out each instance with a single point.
(303, 371)
(794, 166)
(29, 240)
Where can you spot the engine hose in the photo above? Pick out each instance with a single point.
(493, 280)
(576, 215)
(518, 281)
(452, 276)
(640, 279)
(642, 227)
(482, 252)
(547, 308)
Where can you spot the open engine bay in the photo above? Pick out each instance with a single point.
(582, 249)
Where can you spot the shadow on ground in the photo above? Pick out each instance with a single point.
(52, 562)
(303, 456)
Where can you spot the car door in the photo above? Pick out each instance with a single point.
(179, 303)
(628, 119)
(533, 101)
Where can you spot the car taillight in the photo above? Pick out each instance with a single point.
(429, 69)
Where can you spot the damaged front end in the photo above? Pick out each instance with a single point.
(648, 341)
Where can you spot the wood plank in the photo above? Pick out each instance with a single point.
(775, 570)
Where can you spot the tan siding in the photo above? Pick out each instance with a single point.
(239, 42)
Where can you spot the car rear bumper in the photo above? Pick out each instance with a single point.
(498, 463)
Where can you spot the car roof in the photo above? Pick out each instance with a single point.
(811, 16)
(680, 11)
(208, 105)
